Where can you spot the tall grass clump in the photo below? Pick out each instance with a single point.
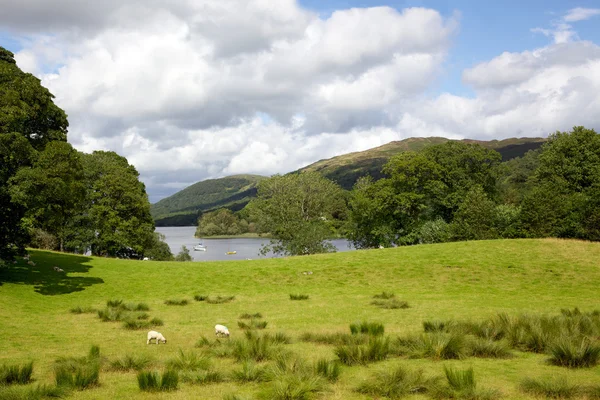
(200, 297)
(369, 328)
(550, 387)
(156, 322)
(439, 346)
(114, 303)
(461, 384)
(486, 348)
(203, 377)
(376, 349)
(235, 396)
(188, 362)
(80, 373)
(338, 338)
(574, 353)
(83, 310)
(394, 384)
(150, 381)
(253, 324)
(177, 302)
(131, 362)
(255, 348)
(110, 314)
(329, 370)
(384, 296)
(31, 392)
(391, 304)
(250, 316)
(250, 372)
(219, 299)
(136, 324)
(293, 378)
(299, 297)
(16, 374)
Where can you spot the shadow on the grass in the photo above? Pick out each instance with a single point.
(44, 279)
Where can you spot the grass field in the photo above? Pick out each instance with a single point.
(460, 281)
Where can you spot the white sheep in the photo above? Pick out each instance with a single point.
(221, 330)
(156, 335)
(58, 269)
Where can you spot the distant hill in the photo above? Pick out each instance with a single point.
(184, 207)
(234, 192)
(347, 168)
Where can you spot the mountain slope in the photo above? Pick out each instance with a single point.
(184, 207)
(347, 168)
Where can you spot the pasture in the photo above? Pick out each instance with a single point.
(464, 281)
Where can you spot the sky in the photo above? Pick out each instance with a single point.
(189, 90)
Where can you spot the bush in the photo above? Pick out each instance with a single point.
(299, 297)
(183, 255)
(129, 362)
(574, 353)
(394, 384)
(550, 387)
(173, 302)
(436, 231)
(219, 299)
(369, 328)
(16, 374)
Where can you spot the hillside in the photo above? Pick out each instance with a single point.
(347, 168)
(184, 207)
(462, 281)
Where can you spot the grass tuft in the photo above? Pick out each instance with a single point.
(203, 377)
(299, 297)
(219, 299)
(394, 384)
(368, 328)
(83, 310)
(250, 316)
(189, 362)
(573, 353)
(376, 349)
(329, 370)
(551, 387)
(250, 372)
(384, 296)
(150, 381)
(16, 374)
(156, 322)
(129, 363)
(200, 297)
(177, 302)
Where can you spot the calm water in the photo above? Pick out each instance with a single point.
(177, 236)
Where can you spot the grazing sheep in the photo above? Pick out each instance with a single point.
(156, 335)
(221, 330)
(31, 263)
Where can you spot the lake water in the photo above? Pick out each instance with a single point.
(245, 248)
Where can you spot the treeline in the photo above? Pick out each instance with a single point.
(54, 197)
(446, 192)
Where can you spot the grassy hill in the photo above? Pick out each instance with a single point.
(347, 168)
(459, 281)
(184, 207)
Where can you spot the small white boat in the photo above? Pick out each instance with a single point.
(200, 247)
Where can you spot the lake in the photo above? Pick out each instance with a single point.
(216, 249)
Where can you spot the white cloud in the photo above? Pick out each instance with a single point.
(189, 90)
(581, 14)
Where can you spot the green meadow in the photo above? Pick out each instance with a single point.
(462, 281)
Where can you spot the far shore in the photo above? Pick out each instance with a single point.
(240, 236)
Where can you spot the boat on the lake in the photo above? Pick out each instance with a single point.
(200, 247)
(229, 253)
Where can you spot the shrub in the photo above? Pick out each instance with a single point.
(219, 299)
(200, 297)
(183, 255)
(250, 372)
(299, 297)
(250, 316)
(129, 362)
(574, 353)
(174, 302)
(436, 231)
(16, 374)
(369, 328)
(329, 370)
(83, 310)
(394, 384)
(188, 362)
(550, 387)
(376, 349)
(391, 304)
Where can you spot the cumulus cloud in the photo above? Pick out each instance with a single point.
(189, 90)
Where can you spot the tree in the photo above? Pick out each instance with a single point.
(183, 255)
(159, 250)
(220, 222)
(564, 202)
(118, 206)
(475, 217)
(297, 210)
(15, 153)
(53, 190)
(26, 107)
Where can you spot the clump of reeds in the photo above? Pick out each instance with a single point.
(219, 299)
(299, 297)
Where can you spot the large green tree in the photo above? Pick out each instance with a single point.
(29, 120)
(298, 211)
(118, 206)
(52, 189)
(220, 222)
(565, 199)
